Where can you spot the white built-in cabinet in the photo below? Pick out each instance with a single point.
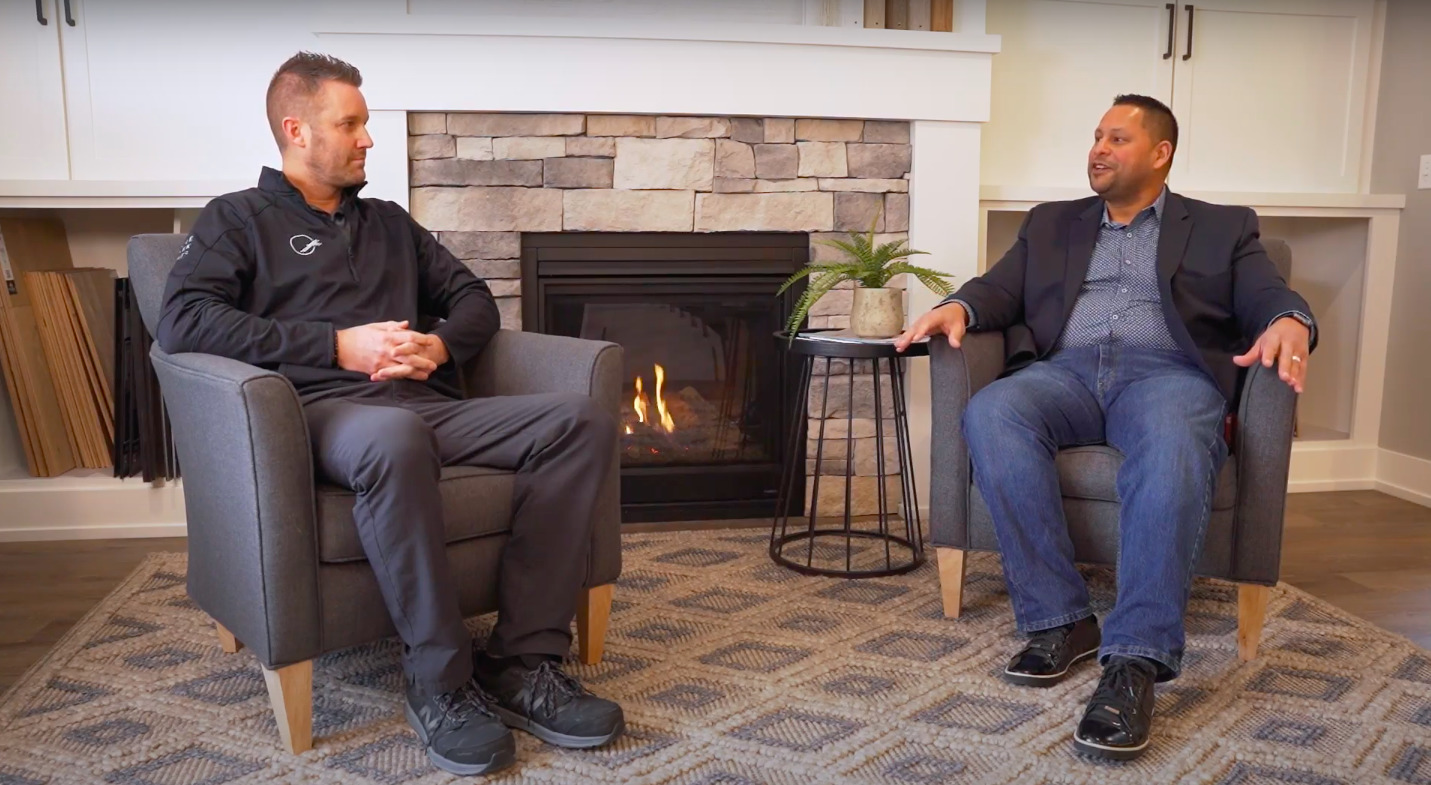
(32, 97)
(1270, 95)
(160, 90)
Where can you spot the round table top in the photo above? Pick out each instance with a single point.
(831, 342)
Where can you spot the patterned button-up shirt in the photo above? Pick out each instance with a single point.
(1119, 300)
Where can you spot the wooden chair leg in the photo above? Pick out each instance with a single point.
(591, 619)
(290, 692)
(227, 641)
(1251, 607)
(951, 580)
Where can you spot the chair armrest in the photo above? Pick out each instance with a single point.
(520, 363)
(1263, 441)
(249, 499)
(954, 376)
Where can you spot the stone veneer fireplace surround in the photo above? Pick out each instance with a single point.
(481, 180)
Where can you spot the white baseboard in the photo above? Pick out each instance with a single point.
(1404, 476)
(1324, 486)
(89, 506)
(1331, 466)
(112, 531)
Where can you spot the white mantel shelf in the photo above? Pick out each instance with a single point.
(475, 64)
(628, 29)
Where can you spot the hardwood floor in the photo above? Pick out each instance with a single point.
(1363, 551)
(45, 587)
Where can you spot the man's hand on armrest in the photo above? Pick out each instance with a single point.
(1286, 342)
(950, 319)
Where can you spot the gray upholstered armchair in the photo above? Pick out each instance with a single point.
(1244, 535)
(274, 556)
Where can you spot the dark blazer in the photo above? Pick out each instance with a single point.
(1219, 289)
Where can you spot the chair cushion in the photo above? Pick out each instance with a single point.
(476, 501)
(1092, 473)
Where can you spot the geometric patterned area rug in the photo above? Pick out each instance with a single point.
(733, 670)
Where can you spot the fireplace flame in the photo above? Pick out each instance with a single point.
(642, 405)
(638, 404)
(666, 421)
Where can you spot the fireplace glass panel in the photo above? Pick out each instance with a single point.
(706, 388)
(697, 370)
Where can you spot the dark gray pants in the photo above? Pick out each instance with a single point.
(388, 441)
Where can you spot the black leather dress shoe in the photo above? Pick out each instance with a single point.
(1045, 660)
(1119, 720)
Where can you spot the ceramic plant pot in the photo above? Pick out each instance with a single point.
(877, 313)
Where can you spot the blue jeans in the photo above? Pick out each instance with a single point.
(1165, 415)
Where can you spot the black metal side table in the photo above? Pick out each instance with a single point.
(795, 546)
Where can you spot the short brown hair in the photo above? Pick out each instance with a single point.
(297, 81)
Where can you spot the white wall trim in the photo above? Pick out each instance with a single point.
(86, 507)
(1328, 486)
(114, 193)
(1325, 466)
(388, 159)
(943, 221)
(100, 532)
(1404, 476)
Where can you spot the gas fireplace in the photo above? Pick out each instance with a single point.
(708, 389)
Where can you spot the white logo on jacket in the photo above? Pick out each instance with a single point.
(303, 245)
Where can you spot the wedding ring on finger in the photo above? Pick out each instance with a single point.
(1296, 359)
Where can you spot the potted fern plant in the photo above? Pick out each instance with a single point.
(878, 311)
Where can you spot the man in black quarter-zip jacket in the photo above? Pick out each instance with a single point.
(302, 276)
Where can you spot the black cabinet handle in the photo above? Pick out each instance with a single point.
(1172, 22)
(40, 12)
(69, 20)
(1185, 55)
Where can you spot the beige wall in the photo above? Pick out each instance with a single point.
(1403, 135)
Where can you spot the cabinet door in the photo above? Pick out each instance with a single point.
(174, 89)
(32, 93)
(1062, 63)
(1273, 97)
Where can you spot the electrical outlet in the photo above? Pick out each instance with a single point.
(1423, 182)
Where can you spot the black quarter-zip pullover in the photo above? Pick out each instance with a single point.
(267, 279)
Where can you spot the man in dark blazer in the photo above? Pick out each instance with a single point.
(1127, 316)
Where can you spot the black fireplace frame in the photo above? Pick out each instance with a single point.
(563, 263)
